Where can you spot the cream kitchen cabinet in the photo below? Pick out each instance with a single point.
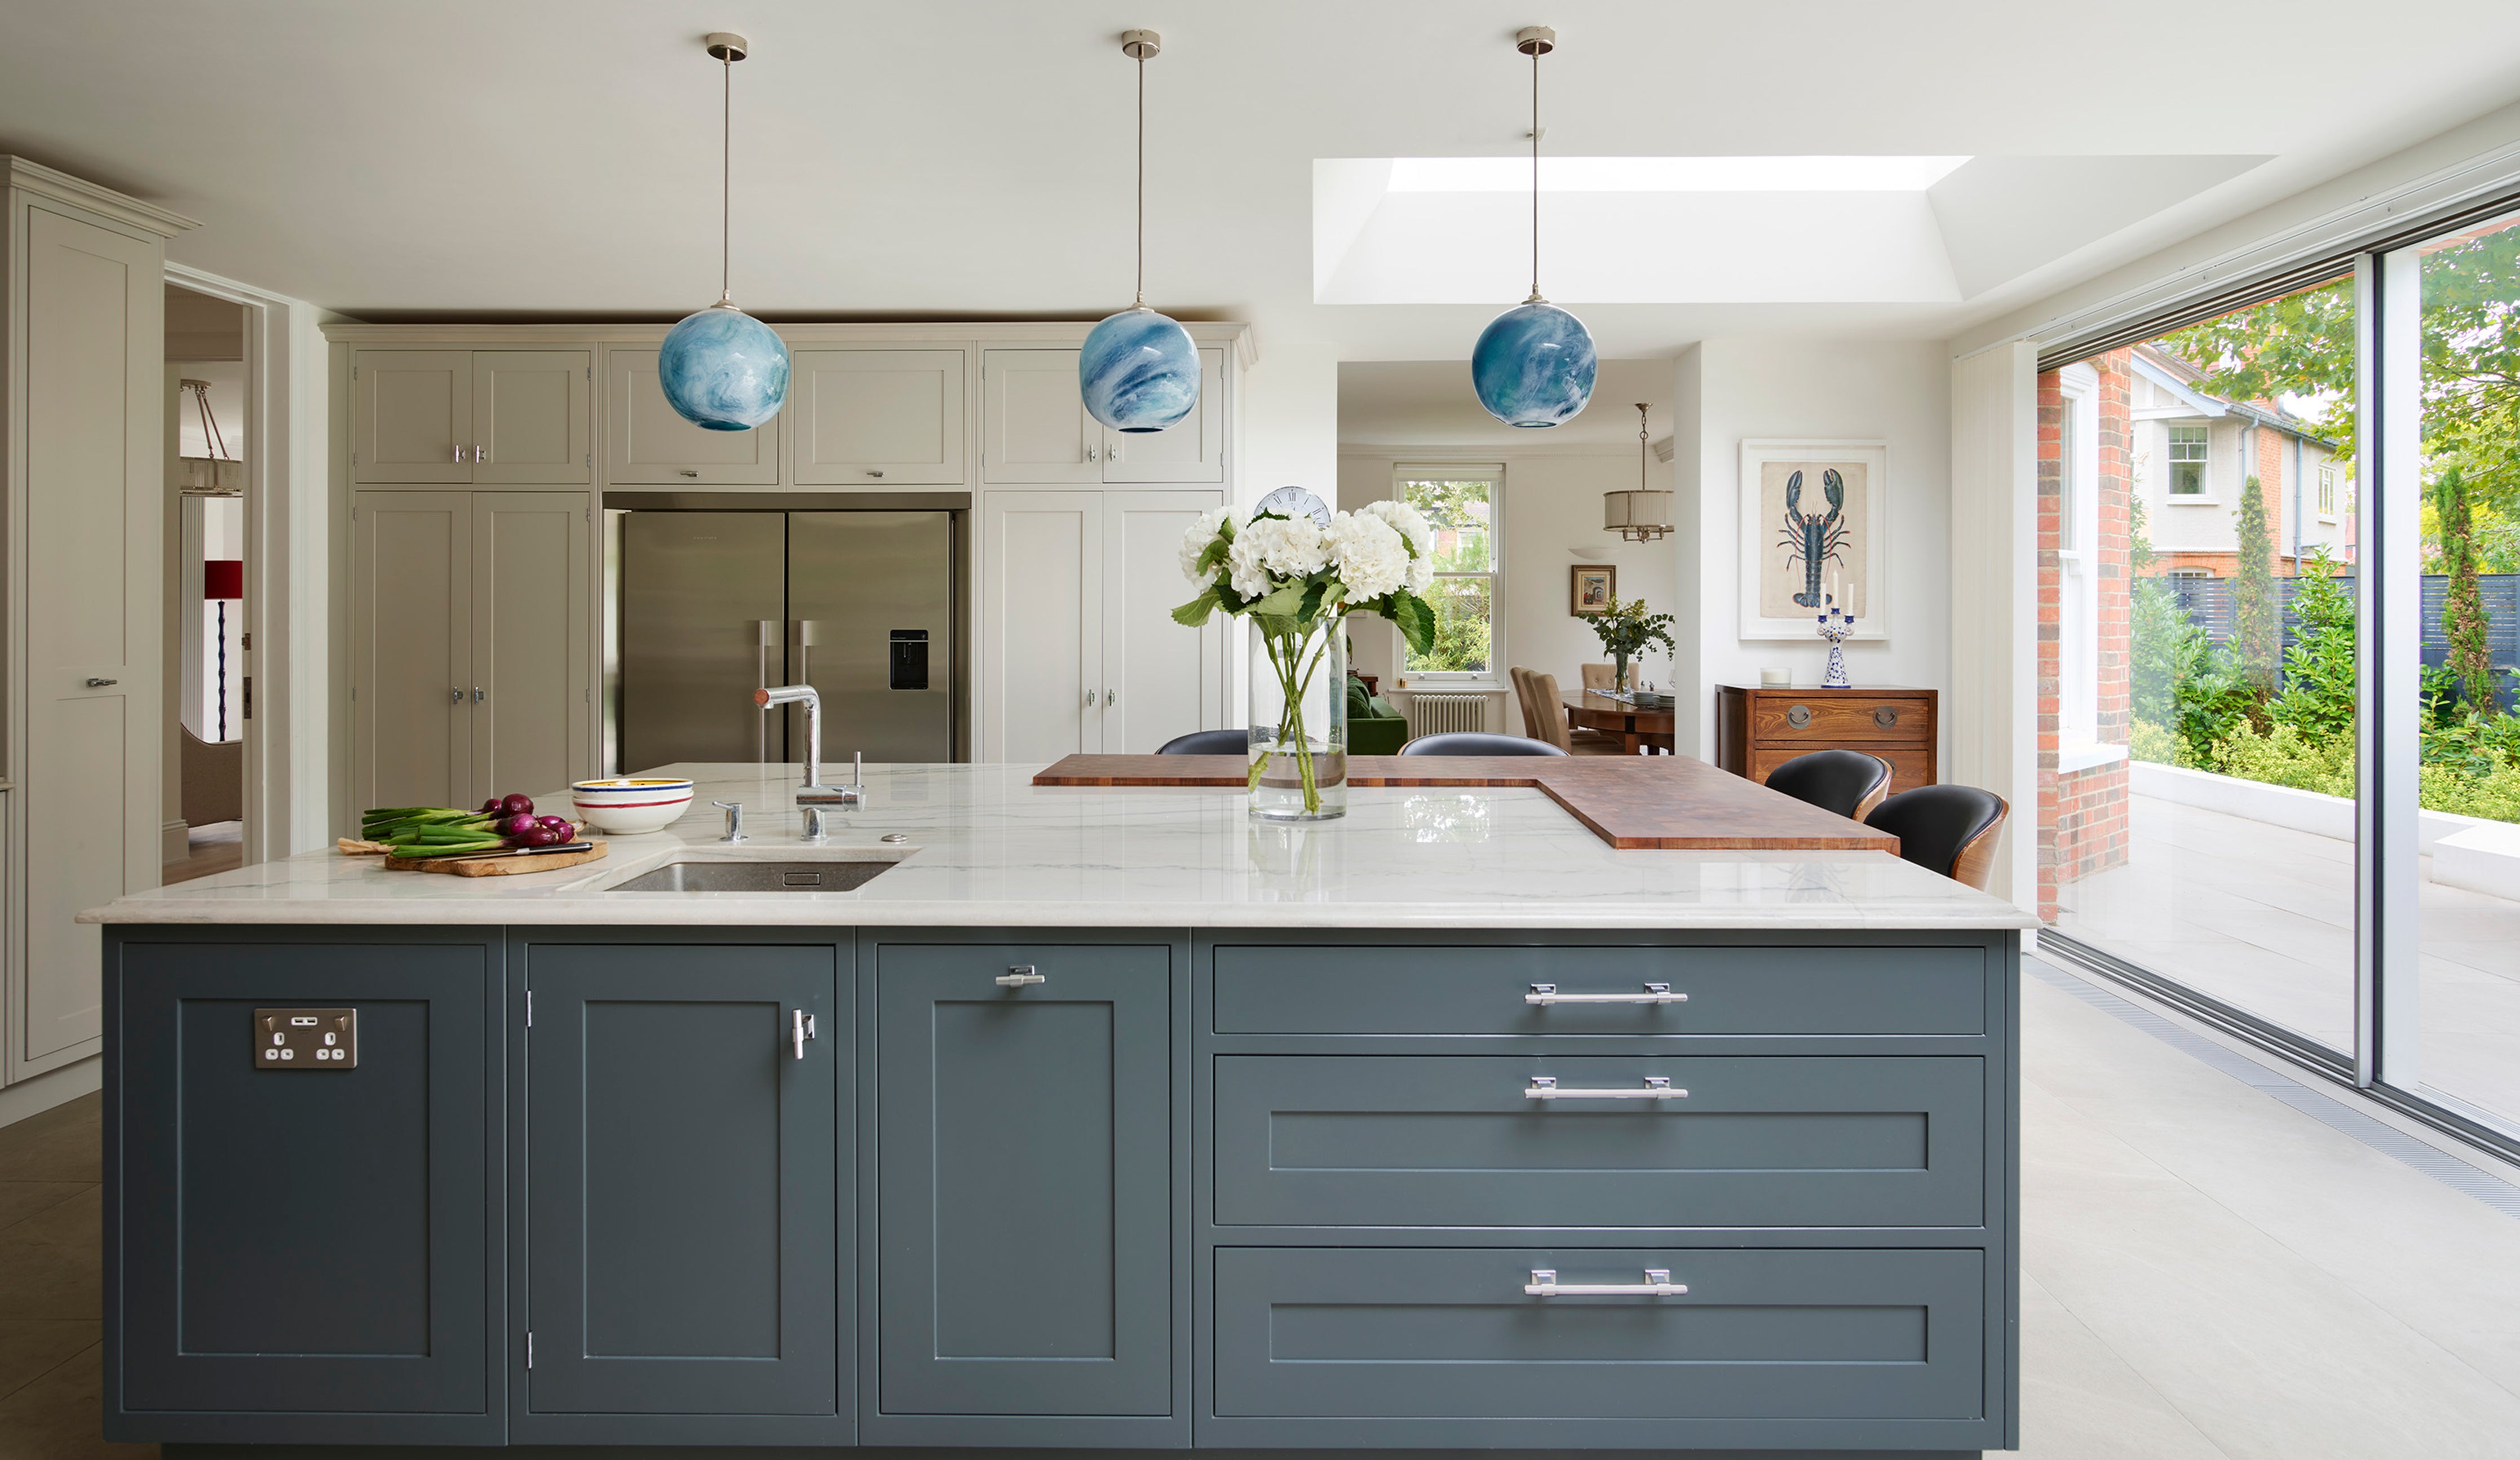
(1034, 427)
(647, 444)
(1078, 649)
(876, 419)
(469, 650)
(477, 417)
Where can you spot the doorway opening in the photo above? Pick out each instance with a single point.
(208, 686)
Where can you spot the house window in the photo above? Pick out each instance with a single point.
(2187, 461)
(2327, 492)
(1461, 504)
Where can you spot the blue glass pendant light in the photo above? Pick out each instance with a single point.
(1534, 363)
(721, 369)
(1139, 370)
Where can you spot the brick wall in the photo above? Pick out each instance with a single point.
(2082, 822)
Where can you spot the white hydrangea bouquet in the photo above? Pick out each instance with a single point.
(1297, 580)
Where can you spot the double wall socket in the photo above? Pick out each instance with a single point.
(305, 1039)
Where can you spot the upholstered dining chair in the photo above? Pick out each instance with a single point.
(1548, 712)
(1478, 742)
(1948, 829)
(1207, 742)
(1521, 679)
(1848, 782)
(1601, 677)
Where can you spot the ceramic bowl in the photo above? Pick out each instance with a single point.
(626, 806)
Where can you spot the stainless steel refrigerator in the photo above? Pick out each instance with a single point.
(860, 604)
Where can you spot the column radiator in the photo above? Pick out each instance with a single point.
(1443, 713)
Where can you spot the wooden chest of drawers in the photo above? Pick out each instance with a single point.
(1757, 730)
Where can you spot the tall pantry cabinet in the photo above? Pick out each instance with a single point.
(84, 316)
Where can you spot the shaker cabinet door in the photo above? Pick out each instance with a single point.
(412, 416)
(1041, 625)
(533, 418)
(1033, 425)
(683, 1178)
(1190, 450)
(877, 419)
(647, 444)
(1160, 679)
(410, 679)
(531, 709)
(1024, 1180)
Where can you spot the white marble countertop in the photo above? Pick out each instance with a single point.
(987, 848)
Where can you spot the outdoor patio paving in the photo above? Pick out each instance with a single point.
(2262, 916)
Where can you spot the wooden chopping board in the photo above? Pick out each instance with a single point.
(497, 863)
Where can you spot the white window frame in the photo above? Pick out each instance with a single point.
(2077, 606)
(2328, 475)
(2172, 460)
(1493, 473)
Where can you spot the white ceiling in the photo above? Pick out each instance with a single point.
(1407, 403)
(970, 158)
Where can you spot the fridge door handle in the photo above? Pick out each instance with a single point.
(767, 635)
(805, 651)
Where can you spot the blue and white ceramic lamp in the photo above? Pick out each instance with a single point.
(1139, 370)
(1533, 365)
(723, 371)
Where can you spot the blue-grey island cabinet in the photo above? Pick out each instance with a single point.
(1098, 1120)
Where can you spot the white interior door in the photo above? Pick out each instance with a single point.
(412, 410)
(1192, 450)
(877, 419)
(1033, 425)
(411, 605)
(1160, 679)
(90, 773)
(533, 417)
(530, 700)
(647, 444)
(1041, 624)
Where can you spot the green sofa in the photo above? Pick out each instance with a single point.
(1374, 728)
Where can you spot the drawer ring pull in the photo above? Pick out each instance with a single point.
(1798, 716)
(1547, 994)
(1655, 1088)
(1657, 1284)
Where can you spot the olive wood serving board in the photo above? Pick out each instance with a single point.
(1643, 802)
(498, 863)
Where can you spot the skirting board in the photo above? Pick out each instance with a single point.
(37, 1094)
(174, 841)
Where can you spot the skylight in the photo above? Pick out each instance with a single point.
(1805, 174)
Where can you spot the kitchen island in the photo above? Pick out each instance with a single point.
(1097, 1117)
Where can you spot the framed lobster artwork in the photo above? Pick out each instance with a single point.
(1812, 537)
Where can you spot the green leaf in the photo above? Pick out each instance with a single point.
(1195, 614)
(1415, 619)
(1285, 602)
(1215, 553)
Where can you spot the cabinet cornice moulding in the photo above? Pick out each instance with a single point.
(1236, 334)
(61, 187)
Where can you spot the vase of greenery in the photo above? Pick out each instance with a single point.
(1628, 629)
(1298, 577)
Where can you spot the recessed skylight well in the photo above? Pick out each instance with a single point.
(1798, 174)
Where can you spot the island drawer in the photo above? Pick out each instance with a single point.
(1470, 1141)
(1848, 989)
(1411, 1333)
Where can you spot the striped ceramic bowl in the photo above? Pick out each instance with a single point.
(631, 803)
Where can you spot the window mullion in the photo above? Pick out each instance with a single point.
(2389, 608)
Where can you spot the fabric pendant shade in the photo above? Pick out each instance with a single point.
(1641, 516)
(1138, 368)
(1533, 365)
(721, 369)
(223, 578)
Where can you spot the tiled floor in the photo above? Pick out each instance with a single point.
(2261, 917)
(2208, 1274)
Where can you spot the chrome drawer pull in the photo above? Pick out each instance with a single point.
(1657, 1284)
(1018, 976)
(1547, 994)
(1655, 1088)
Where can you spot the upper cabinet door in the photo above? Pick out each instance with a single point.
(532, 416)
(413, 417)
(645, 444)
(1033, 425)
(1192, 450)
(877, 417)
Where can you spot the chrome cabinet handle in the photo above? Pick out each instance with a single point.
(1547, 994)
(459, 455)
(482, 454)
(1655, 1088)
(1110, 697)
(1018, 976)
(1093, 453)
(455, 694)
(685, 471)
(99, 682)
(800, 1028)
(1657, 1284)
(478, 695)
(1089, 699)
(871, 472)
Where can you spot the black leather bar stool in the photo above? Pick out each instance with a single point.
(1848, 782)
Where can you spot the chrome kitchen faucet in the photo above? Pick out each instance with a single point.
(813, 792)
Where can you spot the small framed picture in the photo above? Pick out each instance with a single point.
(1592, 587)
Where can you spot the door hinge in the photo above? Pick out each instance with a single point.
(530, 1008)
(249, 696)
(529, 1349)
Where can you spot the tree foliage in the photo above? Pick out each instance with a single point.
(2464, 605)
(2257, 616)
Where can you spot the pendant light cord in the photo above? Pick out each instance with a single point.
(726, 185)
(1141, 179)
(1535, 177)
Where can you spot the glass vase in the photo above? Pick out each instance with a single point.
(1619, 672)
(1298, 724)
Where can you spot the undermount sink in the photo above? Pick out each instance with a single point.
(755, 877)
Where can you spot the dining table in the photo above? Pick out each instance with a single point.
(1648, 729)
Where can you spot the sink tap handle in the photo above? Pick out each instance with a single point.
(734, 821)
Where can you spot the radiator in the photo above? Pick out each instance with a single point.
(1443, 713)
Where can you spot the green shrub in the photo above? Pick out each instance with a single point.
(2157, 743)
(2318, 682)
(2495, 794)
(2285, 757)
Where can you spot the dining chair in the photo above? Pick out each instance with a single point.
(1948, 829)
(1548, 712)
(1478, 742)
(1848, 782)
(1601, 677)
(1207, 742)
(1521, 679)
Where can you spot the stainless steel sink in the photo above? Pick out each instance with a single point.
(754, 876)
